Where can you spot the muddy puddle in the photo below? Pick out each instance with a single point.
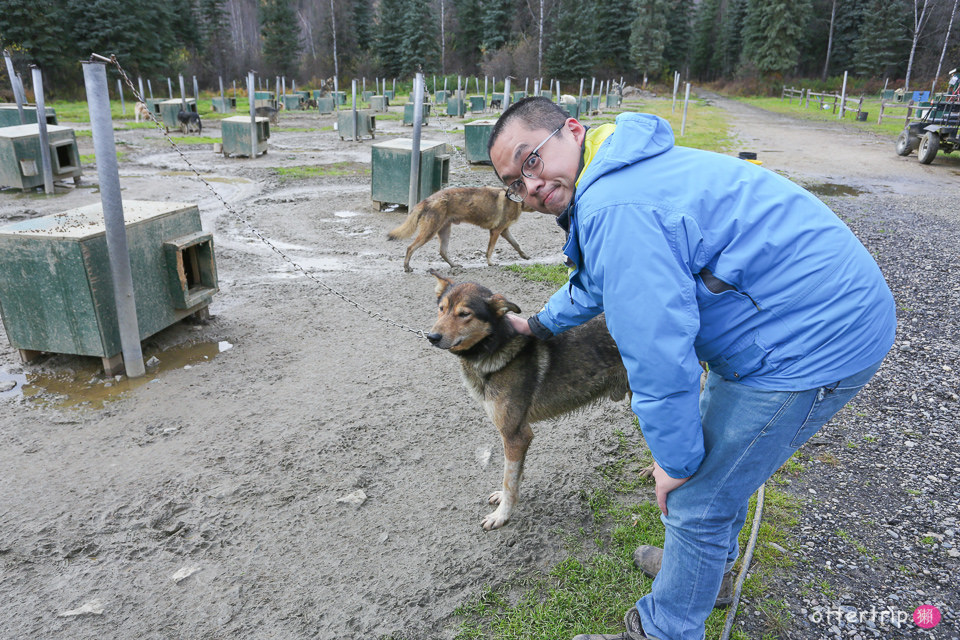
(86, 386)
(833, 189)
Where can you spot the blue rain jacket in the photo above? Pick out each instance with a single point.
(694, 256)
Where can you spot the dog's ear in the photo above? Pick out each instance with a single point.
(442, 283)
(500, 305)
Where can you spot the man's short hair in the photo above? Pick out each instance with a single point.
(534, 113)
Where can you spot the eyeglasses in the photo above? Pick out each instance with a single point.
(532, 167)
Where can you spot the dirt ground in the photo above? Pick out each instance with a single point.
(208, 500)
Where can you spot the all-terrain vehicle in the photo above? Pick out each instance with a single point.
(937, 127)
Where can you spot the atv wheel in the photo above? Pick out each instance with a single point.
(904, 146)
(929, 145)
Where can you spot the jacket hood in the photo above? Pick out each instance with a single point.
(637, 136)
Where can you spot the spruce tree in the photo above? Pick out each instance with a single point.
(649, 36)
(280, 34)
(846, 32)
(883, 45)
(389, 41)
(729, 40)
(421, 36)
(679, 25)
(702, 61)
(773, 33)
(615, 20)
(363, 27)
(468, 35)
(572, 50)
(495, 22)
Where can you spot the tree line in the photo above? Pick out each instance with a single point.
(706, 40)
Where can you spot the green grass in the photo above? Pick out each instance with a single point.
(78, 111)
(890, 126)
(302, 172)
(91, 159)
(554, 275)
(707, 125)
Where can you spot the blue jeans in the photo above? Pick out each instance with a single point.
(748, 434)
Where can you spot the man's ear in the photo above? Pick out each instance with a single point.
(577, 129)
(442, 283)
(500, 305)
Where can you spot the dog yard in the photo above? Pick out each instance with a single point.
(298, 467)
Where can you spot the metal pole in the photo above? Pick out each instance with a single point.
(414, 194)
(253, 115)
(676, 84)
(150, 88)
(485, 103)
(223, 101)
(506, 93)
(336, 95)
(170, 87)
(459, 99)
(580, 97)
(593, 83)
(42, 128)
(686, 99)
(123, 105)
(17, 94)
(183, 95)
(843, 96)
(196, 90)
(140, 84)
(105, 151)
(526, 85)
(356, 117)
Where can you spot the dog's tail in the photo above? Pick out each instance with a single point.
(409, 225)
(199, 126)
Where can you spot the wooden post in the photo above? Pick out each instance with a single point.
(906, 121)
(882, 105)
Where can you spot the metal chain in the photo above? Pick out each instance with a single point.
(373, 314)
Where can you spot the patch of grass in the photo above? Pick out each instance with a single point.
(194, 139)
(300, 129)
(891, 127)
(856, 544)
(135, 125)
(91, 159)
(555, 275)
(707, 125)
(83, 133)
(303, 172)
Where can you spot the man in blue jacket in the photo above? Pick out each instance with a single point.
(696, 256)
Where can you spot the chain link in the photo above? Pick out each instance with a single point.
(373, 314)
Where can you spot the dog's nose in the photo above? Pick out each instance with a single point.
(434, 338)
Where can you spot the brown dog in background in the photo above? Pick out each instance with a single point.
(519, 379)
(486, 207)
(141, 112)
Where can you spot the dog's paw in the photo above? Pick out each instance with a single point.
(646, 472)
(495, 497)
(496, 519)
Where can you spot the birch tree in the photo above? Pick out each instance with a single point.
(943, 51)
(920, 16)
(826, 62)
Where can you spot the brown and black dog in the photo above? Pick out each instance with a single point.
(519, 379)
(486, 207)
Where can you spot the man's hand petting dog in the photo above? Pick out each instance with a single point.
(519, 324)
(665, 484)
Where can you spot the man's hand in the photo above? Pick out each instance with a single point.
(665, 484)
(519, 324)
